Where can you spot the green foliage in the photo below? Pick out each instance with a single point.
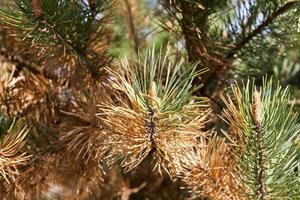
(173, 91)
(168, 83)
(260, 26)
(56, 27)
(287, 72)
(155, 113)
(5, 124)
(66, 31)
(276, 154)
(11, 125)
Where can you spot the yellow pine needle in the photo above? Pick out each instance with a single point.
(10, 153)
(140, 126)
(211, 172)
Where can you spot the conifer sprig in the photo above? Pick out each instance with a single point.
(53, 26)
(212, 173)
(12, 140)
(154, 111)
(59, 37)
(72, 155)
(267, 131)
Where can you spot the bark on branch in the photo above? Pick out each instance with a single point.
(19, 61)
(132, 27)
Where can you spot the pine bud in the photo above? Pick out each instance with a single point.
(257, 107)
(153, 98)
(153, 90)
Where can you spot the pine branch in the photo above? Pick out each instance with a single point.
(75, 148)
(36, 5)
(93, 6)
(195, 26)
(19, 61)
(261, 27)
(203, 39)
(132, 27)
(155, 113)
(212, 172)
(266, 133)
(194, 30)
(61, 32)
(79, 54)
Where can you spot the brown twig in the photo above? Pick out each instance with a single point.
(19, 61)
(36, 7)
(260, 28)
(257, 118)
(151, 126)
(132, 27)
(93, 5)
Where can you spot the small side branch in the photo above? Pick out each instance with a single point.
(78, 53)
(19, 61)
(36, 6)
(132, 27)
(261, 27)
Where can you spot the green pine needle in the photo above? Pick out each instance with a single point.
(154, 111)
(269, 158)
